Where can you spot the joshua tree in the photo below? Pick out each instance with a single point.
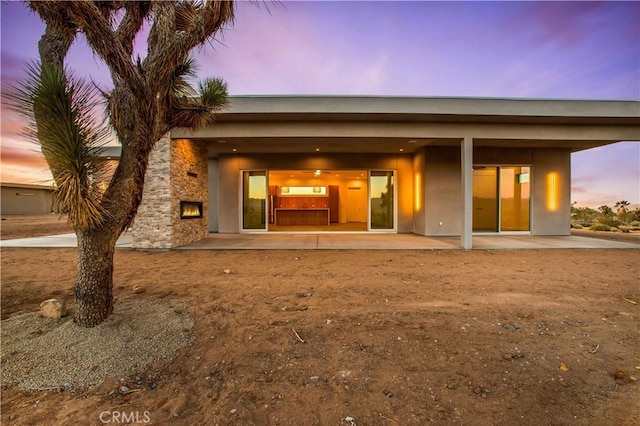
(150, 96)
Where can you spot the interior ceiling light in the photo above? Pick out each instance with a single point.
(401, 149)
(222, 141)
(234, 150)
(317, 149)
(412, 141)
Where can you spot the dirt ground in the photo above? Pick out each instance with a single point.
(24, 226)
(361, 337)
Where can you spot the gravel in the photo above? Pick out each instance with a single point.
(42, 353)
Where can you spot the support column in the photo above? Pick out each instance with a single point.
(466, 163)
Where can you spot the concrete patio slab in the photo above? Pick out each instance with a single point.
(60, 241)
(364, 241)
(508, 242)
(255, 242)
(349, 241)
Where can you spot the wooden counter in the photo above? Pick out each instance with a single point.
(302, 217)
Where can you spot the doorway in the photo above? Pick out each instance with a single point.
(317, 200)
(501, 198)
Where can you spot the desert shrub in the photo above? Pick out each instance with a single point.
(601, 227)
(583, 215)
(635, 225)
(625, 217)
(624, 228)
(576, 225)
(608, 220)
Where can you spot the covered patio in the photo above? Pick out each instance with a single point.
(433, 167)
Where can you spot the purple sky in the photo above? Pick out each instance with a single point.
(572, 50)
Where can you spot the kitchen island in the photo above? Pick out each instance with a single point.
(302, 216)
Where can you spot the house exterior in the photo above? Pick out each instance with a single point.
(429, 166)
(18, 198)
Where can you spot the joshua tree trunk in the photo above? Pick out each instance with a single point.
(94, 281)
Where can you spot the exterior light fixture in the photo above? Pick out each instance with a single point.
(553, 191)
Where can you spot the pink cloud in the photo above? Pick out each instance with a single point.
(564, 23)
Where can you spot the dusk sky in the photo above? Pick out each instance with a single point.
(566, 50)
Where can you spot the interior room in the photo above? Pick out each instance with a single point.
(318, 200)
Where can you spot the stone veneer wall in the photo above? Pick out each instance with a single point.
(189, 182)
(157, 224)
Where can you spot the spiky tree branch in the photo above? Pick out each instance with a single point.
(102, 39)
(135, 14)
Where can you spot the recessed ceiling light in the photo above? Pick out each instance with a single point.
(222, 141)
(234, 150)
(317, 149)
(412, 141)
(401, 150)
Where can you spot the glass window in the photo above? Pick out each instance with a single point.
(381, 200)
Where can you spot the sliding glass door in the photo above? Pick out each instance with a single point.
(501, 198)
(485, 199)
(382, 200)
(514, 198)
(254, 200)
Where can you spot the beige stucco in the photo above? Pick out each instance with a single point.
(26, 199)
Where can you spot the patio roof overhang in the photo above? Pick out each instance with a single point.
(367, 124)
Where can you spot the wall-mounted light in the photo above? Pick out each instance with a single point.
(317, 189)
(552, 191)
(418, 190)
(284, 189)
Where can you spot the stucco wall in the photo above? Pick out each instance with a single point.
(213, 203)
(26, 200)
(229, 167)
(443, 196)
(551, 166)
